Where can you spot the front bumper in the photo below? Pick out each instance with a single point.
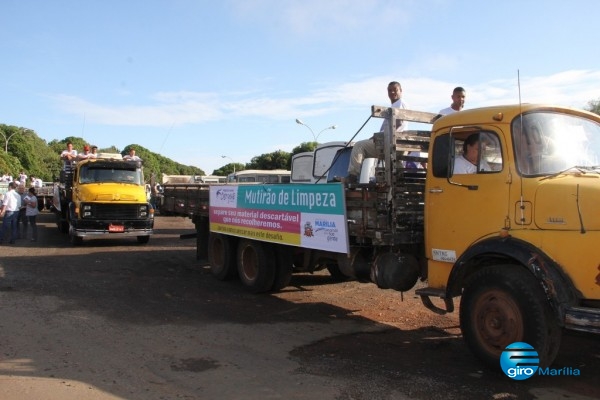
(83, 228)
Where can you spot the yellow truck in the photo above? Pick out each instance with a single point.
(497, 206)
(103, 197)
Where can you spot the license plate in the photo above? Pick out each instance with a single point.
(116, 228)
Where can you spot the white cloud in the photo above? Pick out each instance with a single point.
(571, 88)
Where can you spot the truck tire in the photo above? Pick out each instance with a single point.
(284, 266)
(74, 239)
(221, 256)
(336, 273)
(504, 304)
(61, 223)
(256, 265)
(143, 239)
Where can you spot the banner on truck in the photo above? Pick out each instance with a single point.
(310, 216)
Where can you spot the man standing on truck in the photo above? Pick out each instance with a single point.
(458, 101)
(86, 153)
(68, 156)
(366, 148)
(131, 156)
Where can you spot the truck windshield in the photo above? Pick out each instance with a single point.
(549, 142)
(93, 174)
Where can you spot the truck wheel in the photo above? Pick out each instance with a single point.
(336, 273)
(504, 304)
(75, 240)
(221, 256)
(61, 223)
(284, 266)
(143, 239)
(256, 266)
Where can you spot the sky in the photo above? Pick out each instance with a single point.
(196, 80)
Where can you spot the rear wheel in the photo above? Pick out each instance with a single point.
(504, 304)
(284, 266)
(221, 256)
(256, 265)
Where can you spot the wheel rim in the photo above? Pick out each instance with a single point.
(498, 321)
(249, 263)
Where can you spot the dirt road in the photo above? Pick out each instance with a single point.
(117, 320)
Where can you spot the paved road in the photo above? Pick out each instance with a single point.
(116, 320)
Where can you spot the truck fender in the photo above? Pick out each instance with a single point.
(557, 286)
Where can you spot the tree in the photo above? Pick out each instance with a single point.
(593, 106)
(28, 152)
(304, 147)
(277, 160)
(228, 169)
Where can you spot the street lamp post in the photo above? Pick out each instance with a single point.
(315, 137)
(233, 162)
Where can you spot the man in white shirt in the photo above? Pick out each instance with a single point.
(366, 148)
(11, 206)
(86, 153)
(131, 156)
(69, 156)
(458, 101)
(468, 162)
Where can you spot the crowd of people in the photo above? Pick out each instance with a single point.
(34, 181)
(18, 210)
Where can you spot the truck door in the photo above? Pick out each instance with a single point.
(467, 195)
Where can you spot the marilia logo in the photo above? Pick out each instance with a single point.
(521, 361)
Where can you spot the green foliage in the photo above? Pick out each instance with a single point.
(28, 152)
(228, 169)
(158, 165)
(593, 106)
(304, 147)
(277, 160)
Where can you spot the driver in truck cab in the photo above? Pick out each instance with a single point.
(468, 162)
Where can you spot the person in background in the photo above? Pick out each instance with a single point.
(21, 219)
(94, 152)
(36, 182)
(366, 148)
(86, 153)
(10, 211)
(131, 156)
(31, 212)
(458, 101)
(23, 178)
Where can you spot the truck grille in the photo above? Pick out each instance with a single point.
(114, 211)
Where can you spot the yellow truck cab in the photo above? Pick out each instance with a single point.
(517, 235)
(105, 196)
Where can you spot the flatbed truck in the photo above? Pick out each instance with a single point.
(517, 239)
